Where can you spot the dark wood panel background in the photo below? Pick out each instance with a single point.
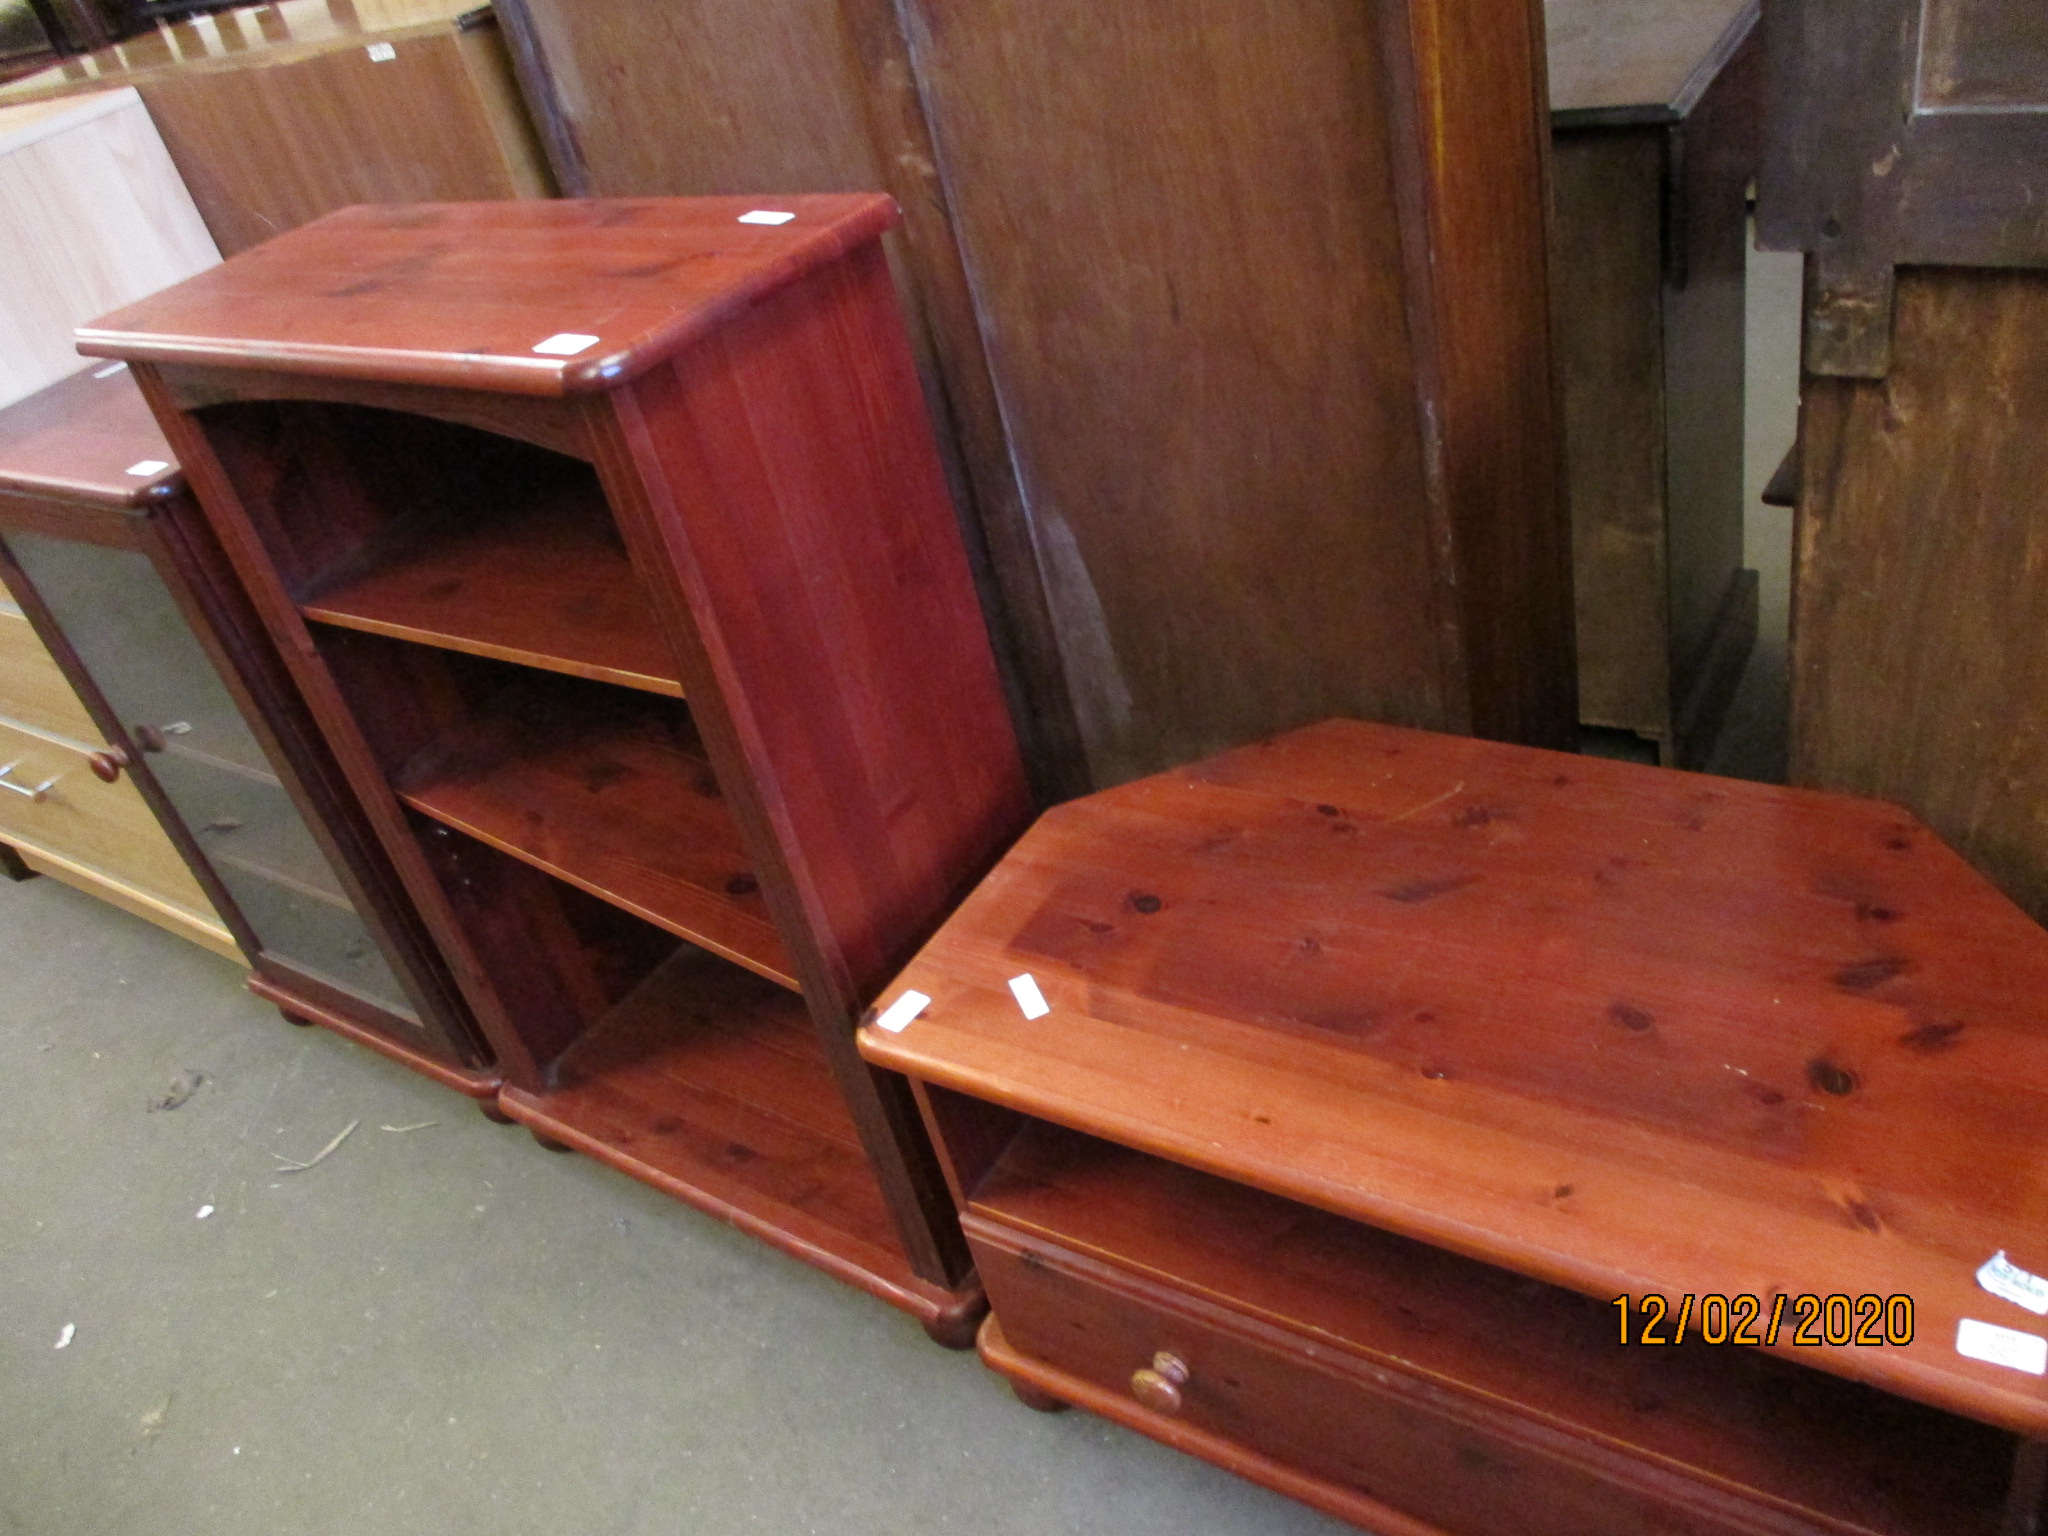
(1233, 319)
(1177, 220)
(1920, 626)
(1609, 188)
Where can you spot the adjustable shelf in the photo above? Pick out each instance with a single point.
(544, 583)
(613, 794)
(509, 482)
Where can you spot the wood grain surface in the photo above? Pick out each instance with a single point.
(708, 1084)
(1197, 243)
(268, 147)
(236, 38)
(92, 214)
(546, 584)
(761, 448)
(1652, 231)
(1920, 628)
(1389, 1367)
(277, 114)
(1185, 288)
(612, 795)
(89, 439)
(33, 691)
(462, 294)
(1616, 1028)
(1609, 189)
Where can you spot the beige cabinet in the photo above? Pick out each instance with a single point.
(63, 821)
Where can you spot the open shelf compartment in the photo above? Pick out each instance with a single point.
(1824, 1452)
(447, 535)
(542, 581)
(710, 1084)
(610, 791)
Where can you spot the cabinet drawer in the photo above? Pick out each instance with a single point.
(32, 689)
(106, 827)
(1441, 1457)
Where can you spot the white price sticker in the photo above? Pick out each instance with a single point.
(766, 216)
(2008, 1347)
(2007, 1281)
(565, 344)
(143, 468)
(381, 53)
(1029, 999)
(899, 1013)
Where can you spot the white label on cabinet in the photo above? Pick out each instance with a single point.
(899, 1013)
(766, 216)
(2007, 1281)
(2002, 1346)
(381, 53)
(144, 468)
(565, 344)
(109, 371)
(1025, 989)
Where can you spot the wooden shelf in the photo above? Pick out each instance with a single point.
(711, 1085)
(545, 584)
(611, 793)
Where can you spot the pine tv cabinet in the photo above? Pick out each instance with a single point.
(608, 546)
(1378, 1064)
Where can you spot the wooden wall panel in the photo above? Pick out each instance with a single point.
(1177, 221)
(1264, 290)
(270, 148)
(1609, 189)
(1920, 619)
(704, 94)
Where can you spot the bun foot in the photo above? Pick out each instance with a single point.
(1036, 1399)
(549, 1142)
(488, 1108)
(297, 1021)
(956, 1327)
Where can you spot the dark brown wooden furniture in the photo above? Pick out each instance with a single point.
(607, 543)
(1908, 157)
(103, 550)
(1237, 318)
(1379, 1063)
(276, 114)
(1655, 111)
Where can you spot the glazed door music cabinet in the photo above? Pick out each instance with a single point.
(607, 543)
(103, 552)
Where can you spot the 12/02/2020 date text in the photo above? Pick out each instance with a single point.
(1813, 1320)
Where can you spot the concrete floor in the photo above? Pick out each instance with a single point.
(445, 1330)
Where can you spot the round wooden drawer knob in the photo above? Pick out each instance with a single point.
(1158, 1385)
(107, 766)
